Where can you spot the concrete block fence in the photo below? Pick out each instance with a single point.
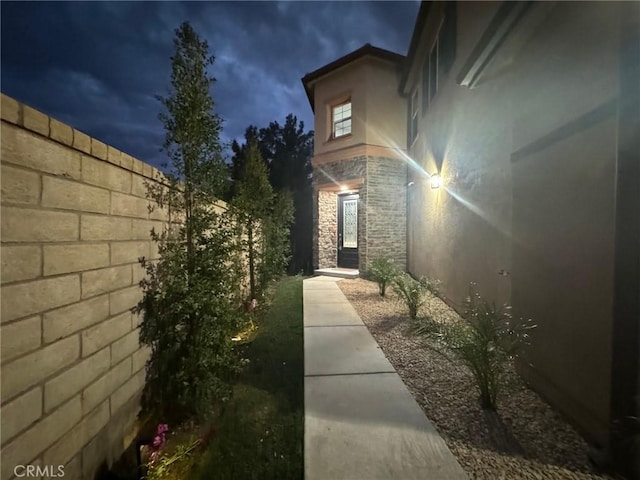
(75, 220)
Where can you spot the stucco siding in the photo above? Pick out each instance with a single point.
(526, 208)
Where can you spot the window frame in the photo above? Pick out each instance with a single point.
(425, 85)
(440, 57)
(342, 120)
(433, 69)
(414, 108)
(354, 243)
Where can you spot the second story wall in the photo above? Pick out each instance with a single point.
(377, 111)
(339, 86)
(524, 138)
(386, 110)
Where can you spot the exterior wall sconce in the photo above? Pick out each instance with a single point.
(435, 181)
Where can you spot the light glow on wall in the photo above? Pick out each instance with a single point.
(435, 181)
(330, 177)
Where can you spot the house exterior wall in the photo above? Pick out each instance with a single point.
(347, 82)
(381, 185)
(385, 111)
(386, 212)
(527, 160)
(325, 242)
(370, 162)
(378, 112)
(74, 223)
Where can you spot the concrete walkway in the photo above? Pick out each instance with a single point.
(361, 422)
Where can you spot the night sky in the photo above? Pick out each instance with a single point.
(99, 65)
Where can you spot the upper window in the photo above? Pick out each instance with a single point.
(433, 71)
(341, 119)
(440, 58)
(413, 117)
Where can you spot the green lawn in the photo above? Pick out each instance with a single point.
(260, 431)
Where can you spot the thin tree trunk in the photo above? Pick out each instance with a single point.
(252, 272)
(188, 203)
(188, 197)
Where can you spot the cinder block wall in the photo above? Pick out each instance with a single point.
(75, 220)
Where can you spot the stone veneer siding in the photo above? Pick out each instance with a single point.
(381, 210)
(325, 219)
(325, 234)
(75, 220)
(386, 211)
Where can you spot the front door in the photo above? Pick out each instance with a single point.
(348, 231)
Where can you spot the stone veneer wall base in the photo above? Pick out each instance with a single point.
(382, 210)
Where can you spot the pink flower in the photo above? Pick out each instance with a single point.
(158, 439)
(162, 428)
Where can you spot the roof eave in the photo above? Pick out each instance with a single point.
(367, 50)
(420, 24)
(309, 93)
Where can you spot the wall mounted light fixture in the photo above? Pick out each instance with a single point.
(435, 181)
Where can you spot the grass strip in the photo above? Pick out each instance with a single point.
(260, 432)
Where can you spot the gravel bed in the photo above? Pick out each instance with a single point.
(449, 398)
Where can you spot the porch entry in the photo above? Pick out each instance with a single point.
(348, 231)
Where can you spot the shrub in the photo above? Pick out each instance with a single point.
(276, 247)
(383, 272)
(485, 341)
(266, 217)
(414, 292)
(423, 325)
(190, 296)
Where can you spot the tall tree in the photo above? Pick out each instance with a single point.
(288, 149)
(254, 202)
(188, 305)
(236, 167)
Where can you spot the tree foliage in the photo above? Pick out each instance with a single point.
(414, 293)
(485, 341)
(382, 271)
(238, 160)
(253, 202)
(265, 216)
(276, 245)
(189, 303)
(287, 150)
(288, 153)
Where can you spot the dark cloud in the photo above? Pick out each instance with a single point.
(99, 65)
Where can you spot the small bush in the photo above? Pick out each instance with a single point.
(485, 341)
(414, 292)
(382, 271)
